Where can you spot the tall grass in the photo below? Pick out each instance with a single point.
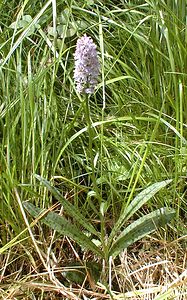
(137, 130)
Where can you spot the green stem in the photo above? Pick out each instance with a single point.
(91, 134)
(90, 146)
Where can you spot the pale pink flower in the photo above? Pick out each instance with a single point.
(87, 67)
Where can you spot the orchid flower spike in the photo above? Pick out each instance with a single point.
(87, 67)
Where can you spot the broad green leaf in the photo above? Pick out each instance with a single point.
(64, 17)
(90, 2)
(143, 197)
(76, 272)
(63, 226)
(81, 24)
(50, 30)
(69, 208)
(68, 32)
(136, 203)
(140, 228)
(23, 23)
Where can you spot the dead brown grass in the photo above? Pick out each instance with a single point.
(151, 269)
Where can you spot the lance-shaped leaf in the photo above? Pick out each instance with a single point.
(140, 228)
(69, 208)
(63, 226)
(135, 205)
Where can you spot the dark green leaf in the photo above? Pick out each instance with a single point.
(63, 226)
(136, 203)
(70, 209)
(141, 228)
(76, 272)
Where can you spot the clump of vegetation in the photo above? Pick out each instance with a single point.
(93, 186)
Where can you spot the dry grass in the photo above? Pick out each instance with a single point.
(151, 269)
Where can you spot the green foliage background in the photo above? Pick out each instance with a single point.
(138, 112)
